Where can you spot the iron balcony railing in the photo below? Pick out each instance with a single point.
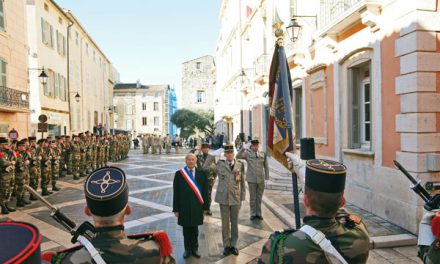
(330, 10)
(13, 98)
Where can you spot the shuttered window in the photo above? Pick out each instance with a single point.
(3, 65)
(2, 17)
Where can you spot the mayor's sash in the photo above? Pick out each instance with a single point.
(192, 183)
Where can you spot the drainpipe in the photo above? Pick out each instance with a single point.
(68, 73)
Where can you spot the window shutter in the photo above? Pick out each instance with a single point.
(3, 73)
(43, 36)
(354, 97)
(2, 17)
(64, 46)
(51, 35)
(55, 91)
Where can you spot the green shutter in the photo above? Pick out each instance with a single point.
(3, 73)
(2, 17)
(56, 85)
(354, 106)
(43, 37)
(51, 35)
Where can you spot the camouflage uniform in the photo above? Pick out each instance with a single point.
(167, 144)
(115, 247)
(349, 237)
(21, 175)
(106, 151)
(430, 254)
(89, 156)
(7, 174)
(76, 157)
(207, 163)
(34, 168)
(159, 145)
(56, 157)
(144, 144)
(83, 163)
(112, 149)
(149, 142)
(62, 161)
(46, 168)
(68, 157)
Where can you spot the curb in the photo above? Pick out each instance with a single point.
(400, 240)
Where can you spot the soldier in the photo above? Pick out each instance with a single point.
(35, 165)
(429, 237)
(62, 161)
(206, 162)
(108, 208)
(330, 233)
(167, 140)
(46, 167)
(176, 143)
(7, 168)
(68, 158)
(144, 143)
(149, 142)
(159, 144)
(112, 148)
(257, 173)
(56, 157)
(106, 149)
(230, 193)
(21, 173)
(76, 157)
(154, 140)
(83, 146)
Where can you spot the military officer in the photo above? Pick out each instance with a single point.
(84, 147)
(206, 162)
(149, 142)
(35, 165)
(257, 173)
(230, 193)
(108, 207)
(330, 234)
(7, 168)
(176, 143)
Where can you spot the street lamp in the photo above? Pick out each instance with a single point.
(77, 97)
(43, 76)
(294, 28)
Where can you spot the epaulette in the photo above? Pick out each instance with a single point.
(57, 256)
(349, 220)
(160, 237)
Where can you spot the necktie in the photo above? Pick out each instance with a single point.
(231, 165)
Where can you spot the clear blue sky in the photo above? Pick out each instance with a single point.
(148, 40)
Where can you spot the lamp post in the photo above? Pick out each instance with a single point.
(42, 76)
(294, 28)
(77, 98)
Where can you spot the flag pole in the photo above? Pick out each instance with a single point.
(279, 34)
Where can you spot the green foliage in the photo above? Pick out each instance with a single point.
(190, 121)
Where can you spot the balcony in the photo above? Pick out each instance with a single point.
(12, 100)
(262, 67)
(337, 15)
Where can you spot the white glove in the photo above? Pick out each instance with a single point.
(292, 160)
(247, 145)
(425, 232)
(266, 182)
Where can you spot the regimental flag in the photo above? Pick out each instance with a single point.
(280, 136)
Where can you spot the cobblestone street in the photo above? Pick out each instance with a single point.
(150, 180)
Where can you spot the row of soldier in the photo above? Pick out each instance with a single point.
(155, 143)
(43, 162)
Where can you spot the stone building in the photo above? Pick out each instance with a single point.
(366, 87)
(198, 79)
(141, 109)
(14, 90)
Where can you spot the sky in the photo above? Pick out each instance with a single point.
(148, 40)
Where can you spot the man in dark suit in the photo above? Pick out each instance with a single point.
(190, 193)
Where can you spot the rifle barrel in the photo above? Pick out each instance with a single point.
(41, 198)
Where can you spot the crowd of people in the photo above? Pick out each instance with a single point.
(40, 163)
(155, 143)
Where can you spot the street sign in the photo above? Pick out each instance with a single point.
(42, 118)
(42, 127)
(13, 134)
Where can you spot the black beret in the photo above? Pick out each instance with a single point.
(106, 191)
(255, 141)
(21, 143)
(32, 138)
(205, 145)
(20, 243)
(228, 147)
(325, 175)
(3, 140)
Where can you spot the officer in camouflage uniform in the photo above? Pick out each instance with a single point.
(106, 150)
(89, 154)
(62, 161)
(7, 168)
(206, 162)
(153, 146)
(68, 158)
(84, 147)
(231, 191)
(144, 144)
(56, 157)
(46, 167)
(326, 221)
(108, 216)
(35, 165)
(21, 173)
(112, 148)
(159, 144)
(76, 157)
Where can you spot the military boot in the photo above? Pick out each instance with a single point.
(32, 198)
(55, 188)
(10, 208)
(4, 209)
(20, 202)
(26, 201)
(45, 192)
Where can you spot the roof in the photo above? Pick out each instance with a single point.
(198, 58)
(122, 86)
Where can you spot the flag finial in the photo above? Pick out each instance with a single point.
(277, 23)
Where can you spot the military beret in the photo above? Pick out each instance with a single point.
(57, 137)
(106, 191)
(22, 244)
(43, 140)
(325, 175)
(3, 140)
(21, 143)
(255, 141)
(228, 147)
(67, 137)
(205, 145)
(39, 141)
(32, 138)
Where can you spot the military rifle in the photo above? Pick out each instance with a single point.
(82, 234)
(431, 202)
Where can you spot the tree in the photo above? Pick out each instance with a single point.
(191, 121)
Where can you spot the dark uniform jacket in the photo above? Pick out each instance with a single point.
(114, 247)
(185, 200)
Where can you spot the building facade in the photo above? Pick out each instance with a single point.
(14, 91)
(141, 109)
(198, 80)
(365, 75)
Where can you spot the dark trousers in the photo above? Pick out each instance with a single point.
(190, 236)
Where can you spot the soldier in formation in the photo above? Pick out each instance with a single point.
(42, 163)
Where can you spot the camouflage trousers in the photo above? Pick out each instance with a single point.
(147, 149)
(111, 154)
(99, 161)
(76, 167)
(89, 162)
(6, 186)
(46, 173)
(211, 182)
(21, 178)
(167, 149)
(34, 176)
(69, 163)
(83, 165)
(144, 149)
(159, 148)
(55, 172)
(62, 167)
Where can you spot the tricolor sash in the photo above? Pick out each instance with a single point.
(192, 183)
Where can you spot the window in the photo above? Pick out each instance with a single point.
(45, 31)
(87, 49)
(144, 106)
(360, 106)
(61, 43)
(144, 121)
(62, 87)
(298, 112)
(129, 110)
(51, 39)
(49, 87)
(156, 106)
(156, 120)
(144, 95)
(94, 56)
(200, 96)
(57, 85)
(198, 65)
(76, 38)
(3, 79)
(129, 124)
